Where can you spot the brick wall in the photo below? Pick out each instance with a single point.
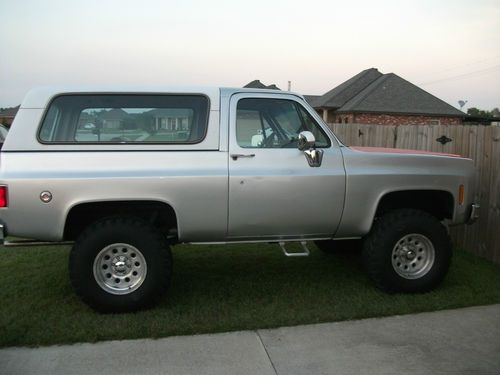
(367, 118)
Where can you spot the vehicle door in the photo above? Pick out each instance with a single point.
(274, 191)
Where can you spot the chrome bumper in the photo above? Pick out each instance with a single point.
(2, 234)
(474, 213)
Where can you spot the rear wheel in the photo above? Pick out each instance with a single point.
(407, 250)
(120, 264)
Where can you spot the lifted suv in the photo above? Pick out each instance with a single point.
(126, 174)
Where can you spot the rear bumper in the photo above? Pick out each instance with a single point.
(2, 234)
(474, 213)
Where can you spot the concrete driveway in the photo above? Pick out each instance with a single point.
(464, 341)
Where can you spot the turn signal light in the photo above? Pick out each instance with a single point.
(3, 196)
(461, 194)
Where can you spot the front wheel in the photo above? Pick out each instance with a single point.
(407, 250)
(120, 264)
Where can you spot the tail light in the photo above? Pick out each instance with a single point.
(3, 196)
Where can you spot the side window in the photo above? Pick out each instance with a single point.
(125, 119)
(274, 123)
(51, 119)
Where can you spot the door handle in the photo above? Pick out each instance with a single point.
(236, 156)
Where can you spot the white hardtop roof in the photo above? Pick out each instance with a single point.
(40, 97)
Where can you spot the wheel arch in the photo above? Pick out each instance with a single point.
(438, 203)
(160, 214)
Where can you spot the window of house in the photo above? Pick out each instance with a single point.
(434, 122)
(274, 123)
(125, 119)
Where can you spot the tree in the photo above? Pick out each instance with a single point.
(475, 112)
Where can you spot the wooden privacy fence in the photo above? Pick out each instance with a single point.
(480, 143)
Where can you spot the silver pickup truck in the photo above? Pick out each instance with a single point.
(124, 174)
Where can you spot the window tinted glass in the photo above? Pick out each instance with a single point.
(126, 119)
(274, 123)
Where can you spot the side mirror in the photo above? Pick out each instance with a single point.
(306, 141)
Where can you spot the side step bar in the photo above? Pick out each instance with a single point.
(20, 243)
(305, 253)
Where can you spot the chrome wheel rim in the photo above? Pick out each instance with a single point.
(413, 256)
(120, 268)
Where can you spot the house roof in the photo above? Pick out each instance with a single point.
(9, 112)
(338, 96)
(393, 94)
(273, 87)
(257, 84)
(113, 114)
(311, 99)
(170, 112)
(373, 92)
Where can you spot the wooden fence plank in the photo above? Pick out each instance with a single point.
(493, 239)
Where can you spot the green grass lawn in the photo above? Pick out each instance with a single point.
(217, 289)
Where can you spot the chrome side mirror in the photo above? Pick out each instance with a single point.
(306, 143)
(306, 140)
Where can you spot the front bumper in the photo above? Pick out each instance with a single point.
(474, 213)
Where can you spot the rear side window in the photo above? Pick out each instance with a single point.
(125, 119)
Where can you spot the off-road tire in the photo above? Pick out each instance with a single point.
(120, 230)
(385, 239)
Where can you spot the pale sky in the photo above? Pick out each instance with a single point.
(449, 48)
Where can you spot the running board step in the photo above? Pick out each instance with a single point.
(305, 253)
(22, 243)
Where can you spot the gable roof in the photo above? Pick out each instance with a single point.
(373, 92)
